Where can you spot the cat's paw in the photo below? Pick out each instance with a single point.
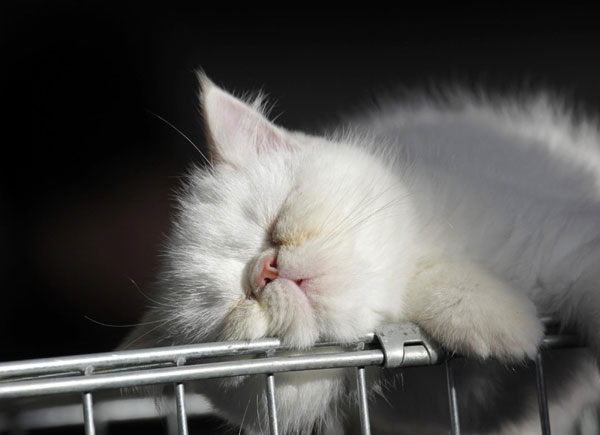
(471, 312)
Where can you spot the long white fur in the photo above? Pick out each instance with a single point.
(462, 217)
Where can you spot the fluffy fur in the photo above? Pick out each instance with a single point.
(468, 217)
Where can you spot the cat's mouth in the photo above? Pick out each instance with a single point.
(281, 282)
(265, 271)
(302, 283)
(299, 282)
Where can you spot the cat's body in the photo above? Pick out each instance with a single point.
(461, 217)
(513, 186)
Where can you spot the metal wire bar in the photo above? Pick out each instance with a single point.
(171, 354)
(549, 320)
(135, 357)
(273, 424)
(181, 374)
(364, 339)
(452, 400)
(156, 366)
(88, 414)
(180, 405)
(363, 405)
(559, 341)
(542, 398)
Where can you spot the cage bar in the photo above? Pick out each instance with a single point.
(395, 346)
(452, 400)
(363, 405)
(180, 407)
(88, 414)
(181, 374)
(542, 398)
(135, 357)
(271, 405)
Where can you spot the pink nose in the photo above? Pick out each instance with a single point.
(267, 271)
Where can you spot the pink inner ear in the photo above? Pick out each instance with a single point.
(235, 129)
(271, 139)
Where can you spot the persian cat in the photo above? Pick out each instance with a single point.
(468, 216)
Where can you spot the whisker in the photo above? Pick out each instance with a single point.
(373, 213)
(244, 416)
(145, 333)
(356, 213)
(363, 204)
(335, 206)
(183, 135)
(258, 418)
(110, 325)
(146, 296)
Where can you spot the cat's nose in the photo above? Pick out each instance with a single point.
(267, 270)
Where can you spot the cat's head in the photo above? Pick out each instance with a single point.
(285, 235)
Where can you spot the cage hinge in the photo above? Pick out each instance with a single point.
(405, 344)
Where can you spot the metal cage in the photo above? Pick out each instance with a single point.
(395, 345)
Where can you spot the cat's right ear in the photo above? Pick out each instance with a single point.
(236, 130)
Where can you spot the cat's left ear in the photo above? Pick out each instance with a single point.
(235, 130)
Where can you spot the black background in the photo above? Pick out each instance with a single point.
(87, 171)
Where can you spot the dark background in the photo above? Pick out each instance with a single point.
(87, 171)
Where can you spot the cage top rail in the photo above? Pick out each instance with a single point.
(79, 363)
(80, 384)
(131, 368)
(159, 355)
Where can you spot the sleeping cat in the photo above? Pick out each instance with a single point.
(467, 217)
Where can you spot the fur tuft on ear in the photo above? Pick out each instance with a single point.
(236, 130)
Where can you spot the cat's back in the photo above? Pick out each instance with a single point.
(537, 145)
(506, 180)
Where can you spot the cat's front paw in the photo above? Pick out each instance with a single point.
(471, 312)
(492, 328)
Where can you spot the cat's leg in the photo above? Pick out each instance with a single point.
(469, 311)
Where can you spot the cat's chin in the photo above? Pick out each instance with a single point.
(292, 316)
(282, 309)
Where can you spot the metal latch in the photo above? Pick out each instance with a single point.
(405, 344)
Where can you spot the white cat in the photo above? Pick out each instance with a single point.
(467, 218)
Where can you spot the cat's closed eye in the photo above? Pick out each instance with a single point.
(272, 237)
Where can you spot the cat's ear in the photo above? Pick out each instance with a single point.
(236, 130)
